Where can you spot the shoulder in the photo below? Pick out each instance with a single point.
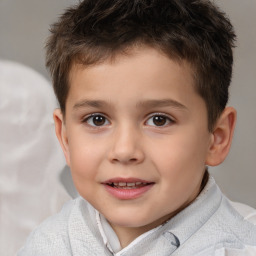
(248, 213)
(245, 230)
(241, 218)
(229, 230)
(235, 223)
(51, 237)
(234, 228)
(73, 231)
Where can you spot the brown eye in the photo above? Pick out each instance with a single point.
(99, 120)
(159, 120)
(96, 120)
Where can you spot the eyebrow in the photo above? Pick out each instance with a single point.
(144, 104)
(161, 103)
(90, 103)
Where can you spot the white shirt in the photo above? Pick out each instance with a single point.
(210, 226)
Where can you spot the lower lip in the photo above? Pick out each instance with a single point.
(128, 194)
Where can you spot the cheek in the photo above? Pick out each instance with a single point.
(181, 155)
(84, 165)
(85, 156)
(180, 164)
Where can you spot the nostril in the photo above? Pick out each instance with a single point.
(131, 160)
(126, 154)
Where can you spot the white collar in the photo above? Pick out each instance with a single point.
(109, 236)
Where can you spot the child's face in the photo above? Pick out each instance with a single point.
(136, 137)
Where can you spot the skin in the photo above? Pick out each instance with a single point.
(128, 94)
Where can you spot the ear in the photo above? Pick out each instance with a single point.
(221, 137)
(60, 130)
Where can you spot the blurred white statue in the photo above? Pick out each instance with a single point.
(30, 156)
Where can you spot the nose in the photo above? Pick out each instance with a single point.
(126, 146)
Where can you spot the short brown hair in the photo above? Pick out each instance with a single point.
(192, 30)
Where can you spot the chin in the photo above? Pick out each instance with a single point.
(129, 221)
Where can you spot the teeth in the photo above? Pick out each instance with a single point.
(128, 184)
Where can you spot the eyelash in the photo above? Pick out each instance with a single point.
(166, 118)
(91, 116)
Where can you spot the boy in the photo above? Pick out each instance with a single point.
(143, 87)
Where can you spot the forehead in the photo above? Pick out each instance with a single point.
(152, 60)
(144, 71)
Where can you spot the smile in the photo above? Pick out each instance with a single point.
(127, 189)
(127, 185)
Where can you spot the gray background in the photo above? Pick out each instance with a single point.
(24, 26)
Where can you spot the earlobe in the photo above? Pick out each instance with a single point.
(221, 137)
(60, 130)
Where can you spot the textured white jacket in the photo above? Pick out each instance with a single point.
(210, 226)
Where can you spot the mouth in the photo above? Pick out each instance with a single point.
(127, 188)
(128, 185)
